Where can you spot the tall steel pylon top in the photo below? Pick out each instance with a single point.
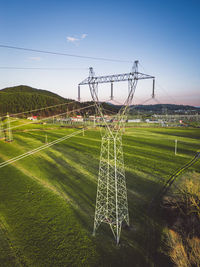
(116, 77)
(132, 78)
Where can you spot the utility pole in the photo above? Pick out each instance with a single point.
(175, 149)
(61, 120)
(1, 130)
(111, 199)
(46, 139)
(67, 116)
(111, 95)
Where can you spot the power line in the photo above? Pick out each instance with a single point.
(62, 54)
(165, 91)
(172, 98)
(35, 68)
(10, 161)
(29, 111)
(68, 112)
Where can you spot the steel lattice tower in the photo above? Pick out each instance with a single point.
(8, 133)
(1, 129)
(111, 200)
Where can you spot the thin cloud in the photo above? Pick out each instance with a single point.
(35, 58)
(72, 39)
(76, 40)
(84, 35)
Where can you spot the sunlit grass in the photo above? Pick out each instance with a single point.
(48, 199)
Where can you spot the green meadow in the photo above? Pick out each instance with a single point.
(47, 200)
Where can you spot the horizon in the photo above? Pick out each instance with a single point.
(115, 104)
(166, 43)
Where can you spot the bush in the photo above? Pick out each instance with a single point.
(183, 238)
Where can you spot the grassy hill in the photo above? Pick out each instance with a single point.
(47, 200)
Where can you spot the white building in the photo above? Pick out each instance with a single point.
(33, 118)
(135, 120)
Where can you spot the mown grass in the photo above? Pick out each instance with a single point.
(48, 199)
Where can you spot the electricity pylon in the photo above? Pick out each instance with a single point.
(8, 132)
(111, 200)
(1, 129)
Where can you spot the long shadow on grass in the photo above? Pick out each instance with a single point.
(74, 184)
(140, 218)
(132, 251)
(191, 133)
(146, 144)
(132, 248)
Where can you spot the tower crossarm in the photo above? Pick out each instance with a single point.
(116, 78)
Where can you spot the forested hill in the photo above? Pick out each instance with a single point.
(24, 98)
(159, 107)
(164, 108)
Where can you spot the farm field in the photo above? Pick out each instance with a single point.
(47, 200)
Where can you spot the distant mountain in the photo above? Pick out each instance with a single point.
(160, 108)
(23, 98)
(28, 89)
(166, 106)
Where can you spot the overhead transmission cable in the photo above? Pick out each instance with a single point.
(12, 160)
(172, 98)
(38, 68)
(46, 118)
(157, 83)
(29, 111)
(62, 54)
(114, 112)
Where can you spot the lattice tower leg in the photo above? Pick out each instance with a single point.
(111, 201)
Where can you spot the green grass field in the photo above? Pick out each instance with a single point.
(47, 200)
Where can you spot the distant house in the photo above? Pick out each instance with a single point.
(77, 119)
(91, 118)
(135, 120)
(33, 118)
(99, 118)
(150, 121)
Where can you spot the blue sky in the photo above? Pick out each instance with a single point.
(163, 35)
